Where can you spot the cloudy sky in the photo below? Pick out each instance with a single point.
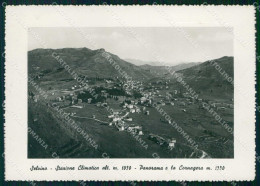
(151, 44)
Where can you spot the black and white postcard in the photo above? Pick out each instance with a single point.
(130, 93)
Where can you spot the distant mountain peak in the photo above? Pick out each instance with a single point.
(101, 50)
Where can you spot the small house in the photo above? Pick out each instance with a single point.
(129, 119)
(172, 143)
(130, 106)
(147, 113)
(89, 100)
(121, 128)
(138, 110)
(111, 116)
(115, 112)
(104, 104)
(142, 99)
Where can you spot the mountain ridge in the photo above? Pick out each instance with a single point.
(84, 61)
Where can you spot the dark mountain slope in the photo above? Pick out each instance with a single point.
(206, 80)
(208, 69)
(84, 61)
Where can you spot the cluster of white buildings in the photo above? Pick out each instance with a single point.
(119, 120)
(132, 107)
